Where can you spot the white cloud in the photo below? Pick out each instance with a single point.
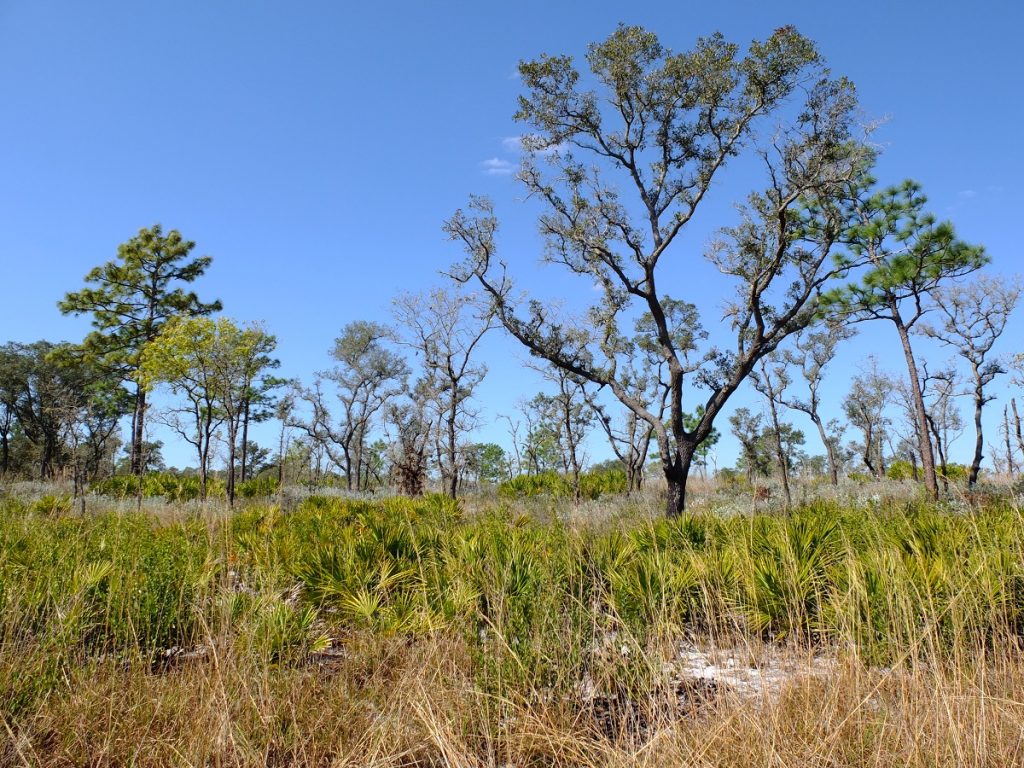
(495, 166)
(514, 144)
(968, 193)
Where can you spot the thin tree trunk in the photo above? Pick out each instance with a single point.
(979, 444)
(46, 460)
(940, 448)
(869, 447)
(201, 455)
(925, 443)
(138, 430)
(830, 451)
(204, 464)
(1016, 424)
(245, 442)
(280, 457)
(570, 444)
(780, 453)
(1010, 468)
(232, 448)
(453, 479)
(5, 451)
(348, 466)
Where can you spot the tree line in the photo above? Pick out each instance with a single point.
(621, 156)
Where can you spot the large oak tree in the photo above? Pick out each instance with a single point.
(623, 169)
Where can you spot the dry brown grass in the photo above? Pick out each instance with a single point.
(394, 703)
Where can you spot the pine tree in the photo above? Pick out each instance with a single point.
(131, 298)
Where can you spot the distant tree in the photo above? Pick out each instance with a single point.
(569, 416)
(368, 375)
(258, 405)
(64, 410)
(1017, 367)
(516, 464)
(770, 379)
(305, 463)
(630, 441)
(283, 410)
(91, 404)
(259, 459)
(945, 423)
(540, 448)
(1009, 456)
(642, 378)
(488, 462)
(130, 299)
(910, 256)
(39, 391)
(444, 330)
(10, 389)
(412, 428)
(243, 355)
(219, 360)
(703, 452)
(813, 349)
(665, 124)
(814, 466)
(185, 364)
(747, 427)
(973, 318)
(152, 459)
(865, 407)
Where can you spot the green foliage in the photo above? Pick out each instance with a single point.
(908, 253)
(901, 469)
(955, 473)
(131, 299)
(60, 408)
(133, 296)
(167, 485)
(593, 485)
(262, 486)
(52, 505)
(271, 629)
(488, 462)
(536, 603)
(791, 568)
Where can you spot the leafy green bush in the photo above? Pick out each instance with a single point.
(901, 469)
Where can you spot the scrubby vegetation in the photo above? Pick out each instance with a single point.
(313, 602)
(406, 632)
(592, 485)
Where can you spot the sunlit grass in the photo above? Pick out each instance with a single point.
(413, 632)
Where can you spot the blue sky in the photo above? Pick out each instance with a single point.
(314, 149)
